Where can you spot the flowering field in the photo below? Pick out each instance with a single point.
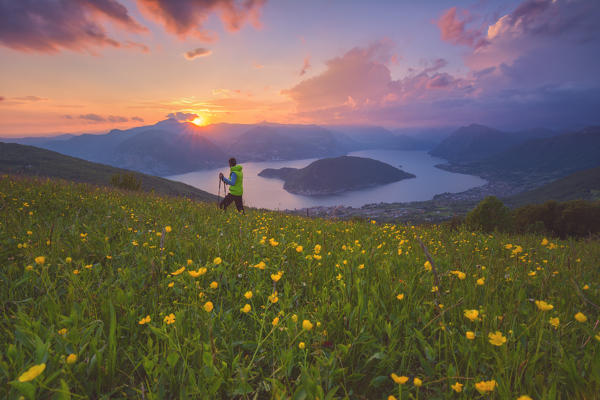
(111, 294)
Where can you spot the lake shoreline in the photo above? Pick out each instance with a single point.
(442, 207)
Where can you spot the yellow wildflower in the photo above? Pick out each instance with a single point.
(214, 285)
(485, 386)
(273, 242)
(400, 380)
(273, 297)
(301, 345)
(32, 373)
(525, 397)
(580, 317)
(40, 261)
(178, 272)
(171, 284)
(299, 249)
(543, 306)
(471, 314)
(481, 281)
(276, 277)
(248, 294)
(544, 242)
(71, 358)
(390, 397)
(585, 287)
(194, 274)
(68, 260)
(307, 325)
(417, 382)
(144, 320)
(554, 322)
(62, 331)
(275, 321)
(427, 266)
(169, 319)
(246, 308)
(168, 228)
(508, 246)
(457, 387)
(76, 271)
(497, 339)
(29, 268)
(400, 296)
(295, 318)
(459, 274)
(208, 306)
(470, 335)
(317, 248)
(361, 266)
(217, 260)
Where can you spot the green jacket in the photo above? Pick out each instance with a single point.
(238, 188)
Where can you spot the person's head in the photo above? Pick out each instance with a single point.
(232, 162)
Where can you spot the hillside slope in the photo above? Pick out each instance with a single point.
(29, 160)
(582, 185)
(131, 295)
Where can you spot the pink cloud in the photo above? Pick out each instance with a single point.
(359, 83)
(187, 17)
(305, 66)
(453, 29)
(50, 27)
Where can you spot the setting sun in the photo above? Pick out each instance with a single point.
(199, 121)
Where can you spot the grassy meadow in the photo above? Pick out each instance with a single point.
(110, 294)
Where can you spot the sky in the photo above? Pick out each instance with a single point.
(74, 66)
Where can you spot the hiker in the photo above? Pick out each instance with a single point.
(235, 186)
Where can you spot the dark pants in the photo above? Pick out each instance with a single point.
(228, 199)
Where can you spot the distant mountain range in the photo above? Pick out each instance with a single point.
(171, 147)
(537, 161)
(478, 142)
(336, 175)
(32, 161)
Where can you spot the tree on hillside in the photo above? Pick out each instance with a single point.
(489, 215)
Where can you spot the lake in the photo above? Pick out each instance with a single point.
(268, 193)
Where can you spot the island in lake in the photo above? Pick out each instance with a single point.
(336, 175)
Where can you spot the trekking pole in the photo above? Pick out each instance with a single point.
(219, 195)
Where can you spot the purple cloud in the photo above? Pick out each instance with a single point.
(198, 52)
(116, 118)
(51, 26)
(138, 119)
(187, 17)
(93, 117)
(182, 116)
(31, 98)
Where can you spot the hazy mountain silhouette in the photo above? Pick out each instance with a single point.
(538, 161)
(478, 142)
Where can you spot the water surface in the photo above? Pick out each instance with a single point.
(268, 193)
